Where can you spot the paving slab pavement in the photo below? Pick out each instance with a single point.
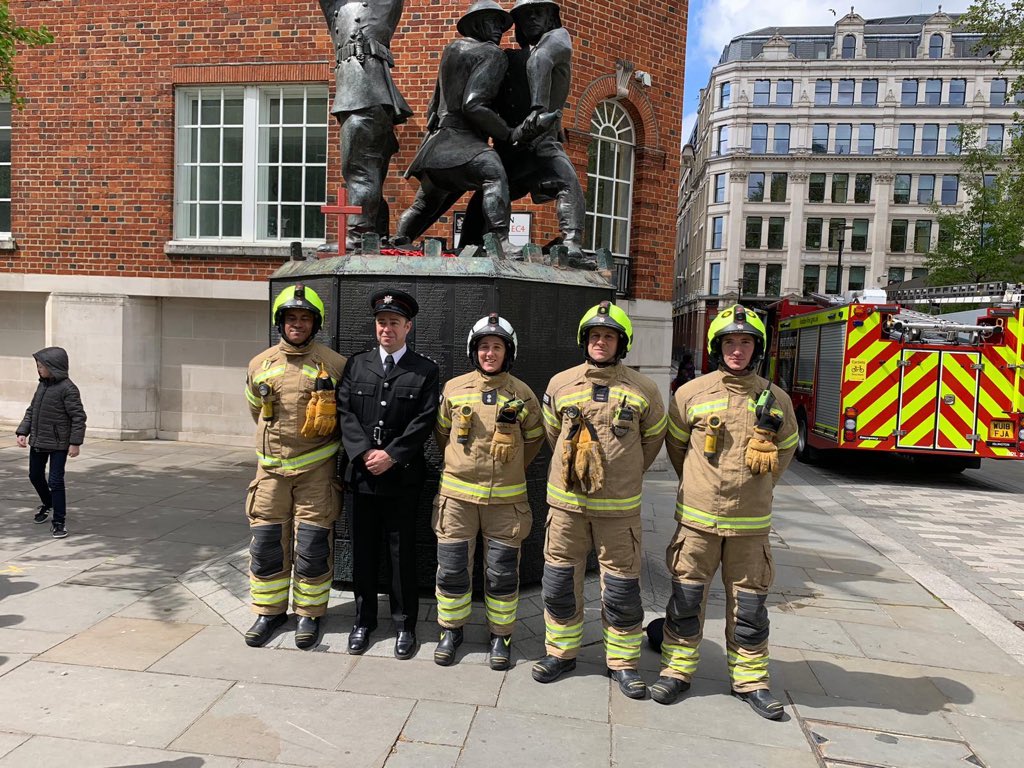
(121, 646)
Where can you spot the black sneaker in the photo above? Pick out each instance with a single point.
(42, 515)
(58, 530)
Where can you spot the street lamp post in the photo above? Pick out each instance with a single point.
(839, 266)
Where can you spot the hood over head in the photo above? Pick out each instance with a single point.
(54, 358)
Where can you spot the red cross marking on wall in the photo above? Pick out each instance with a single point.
(342, 209)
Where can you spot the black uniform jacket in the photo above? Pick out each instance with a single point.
(395, 414)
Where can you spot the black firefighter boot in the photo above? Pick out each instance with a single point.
(762, 702)
(307, 633)
(500, 654)
(444, 654)
(667, 689)
(550, 668)
(263, 628)
(630, 682)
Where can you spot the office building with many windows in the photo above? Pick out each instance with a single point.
(817, 155)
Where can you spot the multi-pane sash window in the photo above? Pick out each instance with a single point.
(957, 92)
(776, 231)
(950, 189)
(906, 139)
(719, 187)
(935, 46)
(759, 138)
(925, 188)
(751, 277)
(866, 139)
(784, 93)
(930, 139)
(5, 167)
(840, 187)
(812, 276)
(901, 189)
(714, 278)
(716, 232)
(994, 140)
(997, 92)
(862, 188)
(831, 279)
(859, 235)
(752, 235)
(922, 235)
(953, 139)
(908, 97)
(898, 236)
(849, 47)
(755, 187)
(722, 146)
(845, 93)
(819, 138)
(816, 188)
(896, 275)
(772, 277)
(855, 281)
(869, 93)
(812, 237)
(252, 163)
(917, 272)
(780, 182)
(836, 233)
(609, 196)
(762, 92)
(933, 92)
(844, 137)
(822, 93)
(781, 146)
(724, 95)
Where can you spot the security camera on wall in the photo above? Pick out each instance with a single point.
(644, 78)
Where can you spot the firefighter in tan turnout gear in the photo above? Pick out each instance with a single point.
(605, 423)
(730, 436)
(293, 503)
(489, 427)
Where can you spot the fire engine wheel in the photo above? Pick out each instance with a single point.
(805, 452)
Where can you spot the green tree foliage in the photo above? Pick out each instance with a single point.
(11, 36)
(981, 239)
(1001, 26)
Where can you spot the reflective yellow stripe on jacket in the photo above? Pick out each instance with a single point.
(449, 483)
(618, 505)
(683, 512)
(300, 461)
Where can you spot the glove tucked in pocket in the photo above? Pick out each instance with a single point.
(762, 454)
(309, 425)
(504, 441)
(589, 464)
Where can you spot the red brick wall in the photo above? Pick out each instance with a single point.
(93, 150)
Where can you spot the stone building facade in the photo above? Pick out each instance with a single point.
(168, 153)
(816, 157)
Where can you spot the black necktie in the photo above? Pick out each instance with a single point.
(389, 363)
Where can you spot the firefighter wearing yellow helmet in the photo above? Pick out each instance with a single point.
(730, 436)
(606, 424)
(292, 504)
(489, 428)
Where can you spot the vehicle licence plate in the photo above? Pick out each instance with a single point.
(1001, 430)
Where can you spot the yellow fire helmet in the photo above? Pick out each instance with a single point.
(607, 315)
(298, 296)
(736, 319)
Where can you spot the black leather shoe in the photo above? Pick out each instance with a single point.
(500, 655)
(762, 702)
(444, 654)
(630, 682)
(262, 629)
(405, 645)
(359, 640)
(550, 668)
(667, 689)
(307, 633)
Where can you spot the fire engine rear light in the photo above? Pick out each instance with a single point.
(850, 425)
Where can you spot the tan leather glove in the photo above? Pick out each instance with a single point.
(309, 425)
(504, 441)
(588, 465)
(762, 453)
(326, 413)
(569, 454)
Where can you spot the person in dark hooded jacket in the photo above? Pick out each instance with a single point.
(54, 425)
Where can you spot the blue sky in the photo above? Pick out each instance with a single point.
(712, 23)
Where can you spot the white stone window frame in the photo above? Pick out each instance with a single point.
(612, 131)
(256, 129)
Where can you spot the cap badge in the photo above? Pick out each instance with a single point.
(388, 299)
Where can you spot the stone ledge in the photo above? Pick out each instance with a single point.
(219, 250)
(8, 244)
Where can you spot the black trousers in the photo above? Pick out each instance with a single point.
(393, 520)
(51, 490)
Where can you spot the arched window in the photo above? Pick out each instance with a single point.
(609, 179)
(849, 47)
(935, 46)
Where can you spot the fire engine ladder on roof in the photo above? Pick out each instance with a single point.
(910, 326)
(966, 293)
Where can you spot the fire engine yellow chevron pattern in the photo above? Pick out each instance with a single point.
(917, 400)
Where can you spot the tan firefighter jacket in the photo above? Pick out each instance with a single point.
(291, 373)
(601, 394)
(470, 472)
(720, 494)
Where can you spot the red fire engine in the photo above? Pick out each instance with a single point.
(865, 372)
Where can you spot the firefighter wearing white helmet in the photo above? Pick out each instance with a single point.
(489, 428)
(606, 424)
(731, 435)
(292, 504)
